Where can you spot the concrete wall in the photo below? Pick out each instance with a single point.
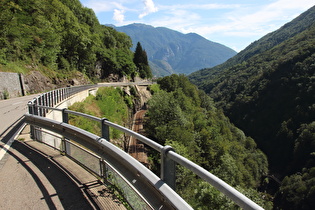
(55, 140)
(79, 97)
(11, 85)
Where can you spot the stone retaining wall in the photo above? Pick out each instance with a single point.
(11, 85)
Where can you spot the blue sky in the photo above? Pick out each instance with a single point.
(235, 24)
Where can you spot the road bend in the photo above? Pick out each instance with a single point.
(35, 176)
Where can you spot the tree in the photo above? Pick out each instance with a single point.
(141, 61)
(183, 117)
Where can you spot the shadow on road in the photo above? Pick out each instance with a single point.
(70, 195)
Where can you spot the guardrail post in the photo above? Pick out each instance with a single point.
(54, 97)
(65, 119)
(44, 111)
(168, 167)
(105, 129)
(30, 111)
(103, 169)
(35, 108)
(65, 116)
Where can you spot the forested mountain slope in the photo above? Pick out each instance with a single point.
(60, 36)
(170, 51)
(184, 117)
(268, 90)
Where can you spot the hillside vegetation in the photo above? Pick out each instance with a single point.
(184, 117)
(110, 103)
(61, 36)
(268, 90)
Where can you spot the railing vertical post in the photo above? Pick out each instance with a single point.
(47, 99)
(65, 116)
(58, 96)
(168, 167)
(102, 170)
(40, 110)
(63, 146)
(65, 119)
(44, 104)
(35, 107)
(50, 99)
(105, 130)
(54, 98)
(30, 111)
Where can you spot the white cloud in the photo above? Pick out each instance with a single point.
(119, 15)
(149, 7)
(243, 21)
(179, 20)
(251, 21)
(199, 6)
(99, 6)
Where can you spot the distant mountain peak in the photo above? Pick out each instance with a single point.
(170, 51)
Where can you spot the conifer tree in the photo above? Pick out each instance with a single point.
(141, 61)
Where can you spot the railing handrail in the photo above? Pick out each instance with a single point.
(136, 171)
(167, 153)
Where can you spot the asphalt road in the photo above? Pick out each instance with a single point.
(11, 110)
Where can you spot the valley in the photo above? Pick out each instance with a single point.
(246, 117)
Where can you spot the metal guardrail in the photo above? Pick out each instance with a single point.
(155, 192)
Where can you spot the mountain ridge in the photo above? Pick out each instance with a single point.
(170, 51)
(267, 42)
(268, 90)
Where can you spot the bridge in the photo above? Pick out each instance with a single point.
(139, 186)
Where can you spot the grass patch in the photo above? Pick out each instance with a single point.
(108, 103)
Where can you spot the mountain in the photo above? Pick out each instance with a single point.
(268, 90)
(170, 51)
(267, 42)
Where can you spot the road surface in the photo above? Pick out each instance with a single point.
(11, 110)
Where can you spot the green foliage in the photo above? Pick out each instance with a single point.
(108, 103)
(271, 95)
(304, 148)
(182, 116)
(84, 123)
(4, 94)
(268, 91)
(297, 191)
(112, 105)
(62, 35)
(141, 61)
(154, 88)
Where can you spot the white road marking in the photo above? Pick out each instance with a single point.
(7, 146)
(17, 103)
